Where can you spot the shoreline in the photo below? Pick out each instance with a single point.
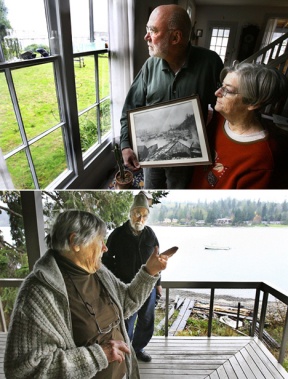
(273, 306)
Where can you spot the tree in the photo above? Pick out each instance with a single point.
(4, 27)
(4, 22)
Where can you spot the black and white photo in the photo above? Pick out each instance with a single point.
(169, 134)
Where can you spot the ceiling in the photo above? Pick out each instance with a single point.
(272, 3)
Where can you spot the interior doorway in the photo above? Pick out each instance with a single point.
(221, 39)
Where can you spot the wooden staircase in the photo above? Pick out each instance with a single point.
(274, 55)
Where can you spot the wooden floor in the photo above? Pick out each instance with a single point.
(198, 357)
(2, 348)
(210, 358)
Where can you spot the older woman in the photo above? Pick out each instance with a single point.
(68, 320)
(247, 153)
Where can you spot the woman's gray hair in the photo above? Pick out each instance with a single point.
(84, 225)
(258, 85)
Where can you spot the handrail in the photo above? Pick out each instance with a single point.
(281, 62)
(266, 288)
(265, 49)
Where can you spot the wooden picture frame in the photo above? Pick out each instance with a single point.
(169, 134)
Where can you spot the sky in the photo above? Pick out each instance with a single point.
(30, 15)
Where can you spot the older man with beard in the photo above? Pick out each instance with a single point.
(129, 247)
(174, 70)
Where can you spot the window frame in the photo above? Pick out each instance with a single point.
(62, 59)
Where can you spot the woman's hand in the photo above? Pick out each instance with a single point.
(156, 262)
(115, 350)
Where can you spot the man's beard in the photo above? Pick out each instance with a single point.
(137, 226)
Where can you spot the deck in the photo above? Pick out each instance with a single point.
(210, 358)
(202, 357)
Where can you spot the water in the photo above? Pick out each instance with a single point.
(256, 254)
(6, 233)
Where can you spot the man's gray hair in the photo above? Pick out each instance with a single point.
(84, 225)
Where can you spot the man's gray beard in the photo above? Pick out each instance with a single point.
(137, 227)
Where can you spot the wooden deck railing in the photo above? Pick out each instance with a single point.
(262, 292)
(261, 288)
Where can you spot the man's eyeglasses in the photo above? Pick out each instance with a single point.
(152, 31)
(139, 215)
(224, 91)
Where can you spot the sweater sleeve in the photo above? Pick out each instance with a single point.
(40, 344)
(130, 296)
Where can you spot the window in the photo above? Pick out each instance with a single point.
(55, 93)
(219, 41)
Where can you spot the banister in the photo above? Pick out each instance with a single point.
(264, 50)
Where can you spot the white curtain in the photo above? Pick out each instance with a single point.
(121, 45)
(269, 31)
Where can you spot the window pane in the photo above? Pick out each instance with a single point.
(213, 41)
(20, 171)
(88, 129)
(85, 83)
(35, 87)
(80, 21)
(105, 117)
(104, 75)
(226, 32)
(24, 33)
(49, 157)
(9, 135)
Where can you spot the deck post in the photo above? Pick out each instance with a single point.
(255, 313)
(211, 308)
(166, 311)
(284, 340)
(263, 314)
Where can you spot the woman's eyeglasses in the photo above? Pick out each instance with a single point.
(224, 91)
(108, 328)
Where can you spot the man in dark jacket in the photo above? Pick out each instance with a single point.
(129, 247)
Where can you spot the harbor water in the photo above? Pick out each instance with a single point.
(255, 254)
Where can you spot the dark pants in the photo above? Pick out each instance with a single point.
(145, 323)
(167, 178)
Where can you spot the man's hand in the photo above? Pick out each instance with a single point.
(159, 290)
(130, 159)
(156, 262)
(115, 350)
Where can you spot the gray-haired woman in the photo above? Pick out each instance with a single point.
(247, 152)
(68, 320)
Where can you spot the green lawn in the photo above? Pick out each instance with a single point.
(38, 104)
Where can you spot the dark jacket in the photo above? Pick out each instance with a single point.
(127, 252)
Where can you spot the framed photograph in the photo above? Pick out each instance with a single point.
(169, 134)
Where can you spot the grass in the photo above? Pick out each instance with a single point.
(37, 98)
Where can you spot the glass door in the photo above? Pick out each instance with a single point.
(221, 39)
